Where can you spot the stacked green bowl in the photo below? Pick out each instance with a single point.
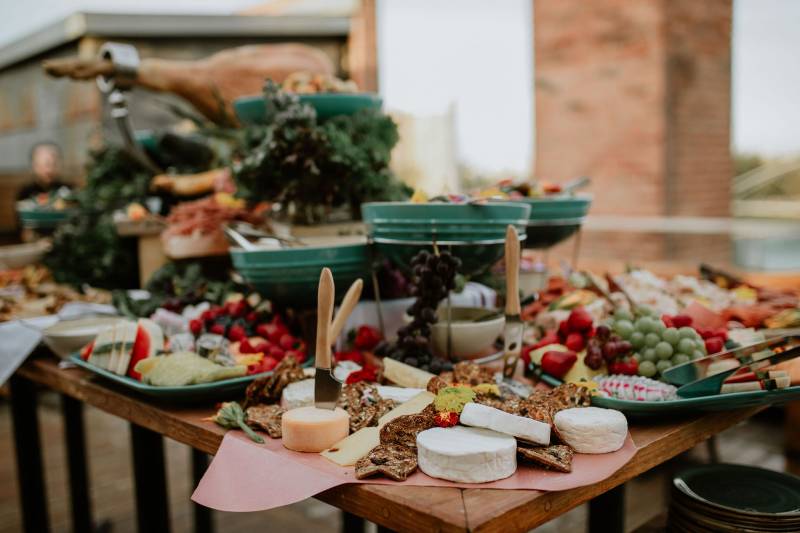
(43, 218)
(473, 232)
(554, 219)
(291, 275)
(251, 109)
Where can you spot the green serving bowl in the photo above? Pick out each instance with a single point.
(251, 109)
(290, 276)
(457, 224)
(475, 233)
(554, 219)
(43, 218)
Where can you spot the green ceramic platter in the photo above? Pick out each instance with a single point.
(461, 222)
(251, 109)
(717, 402)
(43, 218)
(228, 389)
(310, 256)
(558, 207)
(742, 491)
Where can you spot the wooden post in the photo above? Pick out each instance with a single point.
(362, 47)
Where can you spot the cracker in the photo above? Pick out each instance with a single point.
(394, 461)
(556, 457)
(266, 418)
(403, 430)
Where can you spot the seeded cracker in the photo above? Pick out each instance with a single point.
(268, 389)
(556, 457)
(467, 373)
(364, 405)
(266, 418)
(403, 430)
(392, 460)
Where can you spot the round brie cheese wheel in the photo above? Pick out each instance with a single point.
(466, 454)
(298, 394)
(592, 429)
(311, 429)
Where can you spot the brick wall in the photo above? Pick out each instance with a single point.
(636, 94)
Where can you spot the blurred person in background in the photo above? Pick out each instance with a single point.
(46, 170)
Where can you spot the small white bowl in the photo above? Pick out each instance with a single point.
(20, 255)
(69, 336)
(470, 339)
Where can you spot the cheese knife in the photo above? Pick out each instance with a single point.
(345, 308)
(514, 328)
(326, 386)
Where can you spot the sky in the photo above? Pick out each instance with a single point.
(437, 55)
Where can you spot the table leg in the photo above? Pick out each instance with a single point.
(352, 523)
(607, 511)
(203, 519)
(74, 435)
(27, 446)
(152, 503)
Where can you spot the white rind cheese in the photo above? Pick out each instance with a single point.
(592, 429)
(298, 394)
(466, 455)
(483, 416)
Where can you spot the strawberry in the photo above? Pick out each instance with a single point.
(246, 347)
(563, 331)
(579, 321)
(286, 341)
(300, 345)
(261, 347)
(251, 317)
(680, 321)
(446, 419)
(575, 342)
(237, 308)
(551, 337)
(196, 326)
(367, 338)
(557, 364)
(629, 367)
(353, 355)
(525, 354)
(217, 329)
(268, 363)
(714, 345)
(236, 333)
(276, 353)
(262, 330)
(368, 373)
(667, 320)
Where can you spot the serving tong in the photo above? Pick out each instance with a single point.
(693, 377)
(326, 387)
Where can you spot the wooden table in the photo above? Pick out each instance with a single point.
(401, 508)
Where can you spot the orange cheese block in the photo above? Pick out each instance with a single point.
(311, 429)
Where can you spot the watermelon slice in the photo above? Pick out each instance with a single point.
(148, 342)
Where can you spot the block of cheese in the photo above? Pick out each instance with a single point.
(405, 375)
(357, 445)
(411, 407)
(348, 451)
(483, 416)
(311, 429)
(298, 394)
(592, 429)
(466, 454)
(398, 394)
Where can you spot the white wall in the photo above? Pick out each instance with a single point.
(766, 77)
